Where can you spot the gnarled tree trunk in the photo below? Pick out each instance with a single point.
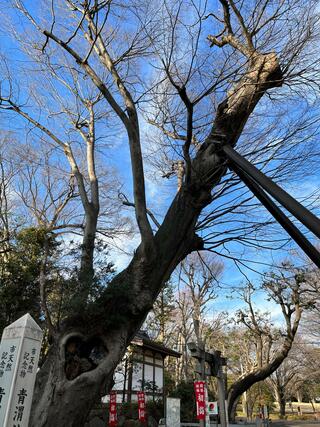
(71, 380)
(249, 379)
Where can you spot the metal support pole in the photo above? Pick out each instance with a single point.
(299, 211)
(290, 228)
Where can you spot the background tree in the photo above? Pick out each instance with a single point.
(19, 284)
(8, 221)
(290, 291)
(280, 381)
(200, 276)
(160, 321)
(306, 384)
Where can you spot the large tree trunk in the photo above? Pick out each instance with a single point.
(248, 380)
(244, 403)
(62, 400)
(69, 383)
(86, 272)
(282, 404)
(279, 385)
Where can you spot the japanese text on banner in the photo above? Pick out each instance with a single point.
(199, 388)
(113, 409)
(141, 406)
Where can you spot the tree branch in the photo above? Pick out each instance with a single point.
(132, 127)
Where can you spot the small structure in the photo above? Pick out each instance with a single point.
(142, 369)
(172, 412)
(19, 356)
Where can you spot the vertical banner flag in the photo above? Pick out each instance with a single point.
(199, 388)
(113, 409)
(141, 406)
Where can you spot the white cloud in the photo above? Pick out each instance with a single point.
(123, 249)
(303, 189)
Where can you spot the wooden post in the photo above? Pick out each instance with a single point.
(19, 356)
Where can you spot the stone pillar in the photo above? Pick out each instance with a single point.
(19, 355)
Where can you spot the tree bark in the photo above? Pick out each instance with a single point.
(62, 402)
(245, 382)
(86, 272)
(282, 405)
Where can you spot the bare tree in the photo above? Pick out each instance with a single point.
(196, 280)
(200, 276)
(7, 174)
(89, 196)
(280, 382)
(160, 320)
(271, 347)
(237, 70)
(184, 334)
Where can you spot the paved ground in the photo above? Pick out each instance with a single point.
(283, 423)
(278, 423)
(288, 423)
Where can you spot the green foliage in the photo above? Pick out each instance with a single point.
(265, 395)
(155, 409)
(130, 409)
(169, 383)
(161, 314)
(20, 270)
(257, 396)
(19, 276)
(63, 289)
(69, 292)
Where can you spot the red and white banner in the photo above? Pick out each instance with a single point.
(113, 409)
(199, 388)
(141, 406)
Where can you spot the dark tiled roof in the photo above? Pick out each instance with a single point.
(142, 339)
(142, 334)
